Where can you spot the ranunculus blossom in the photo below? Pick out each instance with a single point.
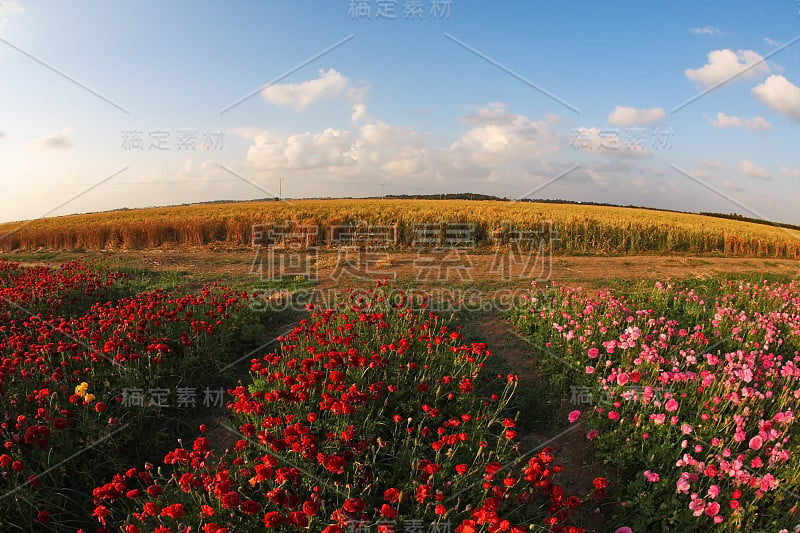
(652, 477)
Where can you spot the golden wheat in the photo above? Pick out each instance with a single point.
(581, 229)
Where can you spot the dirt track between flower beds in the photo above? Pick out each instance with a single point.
(233, 266)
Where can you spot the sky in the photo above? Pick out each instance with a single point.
(682, 105)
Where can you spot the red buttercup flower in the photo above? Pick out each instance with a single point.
(310, 508)
(174, 511)
(272, 519)
(250, 507)
(354, 505)
(388, 511)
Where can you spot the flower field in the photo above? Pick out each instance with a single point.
(67, 356)
(371, 416)
(690, 396)
(375, 414)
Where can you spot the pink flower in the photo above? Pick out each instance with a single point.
(591, 435)
(573, 416)
(756, 442)
(613, 415)
(712, 509)
(652, 477)
(713, 491)
(698, 506)
(683, 483)
(622, 379)
(593, 352)
(686, 429)
(590, 370)
(768, 482)
(624, 529)
(671, 405)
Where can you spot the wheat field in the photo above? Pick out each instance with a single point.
(581, 229)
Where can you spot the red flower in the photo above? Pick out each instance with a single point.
(310, 508)
(354, 505)
(250, 507)
(272, 519)
(101, 512)
(230, 500)
(388, 511)
(174, 511)
(298, 519)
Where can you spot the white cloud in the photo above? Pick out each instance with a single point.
(55, 141)
(724, 64)
(302, 151)
(729, 121)
(552, 119)
(498, 147)
(597, 178)
(707, 167)
(597, 141)
(751, 170)
(359, 113)
(792, 172)
(382, 134)
(728, 184)
(498, 137)
(757, 123)
(8, 7)
(771, 42)
(628, 116)
(725, 121)
(705, 30)
(330, 85)
(780, 95)
(397, 150)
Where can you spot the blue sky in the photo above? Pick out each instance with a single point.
(108, 105)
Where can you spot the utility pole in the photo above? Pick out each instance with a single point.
(280, 188)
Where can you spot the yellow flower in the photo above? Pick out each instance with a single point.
(88, 398)
(80, 390)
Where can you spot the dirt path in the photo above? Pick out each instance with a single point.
(572, 449)
(334, 269)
